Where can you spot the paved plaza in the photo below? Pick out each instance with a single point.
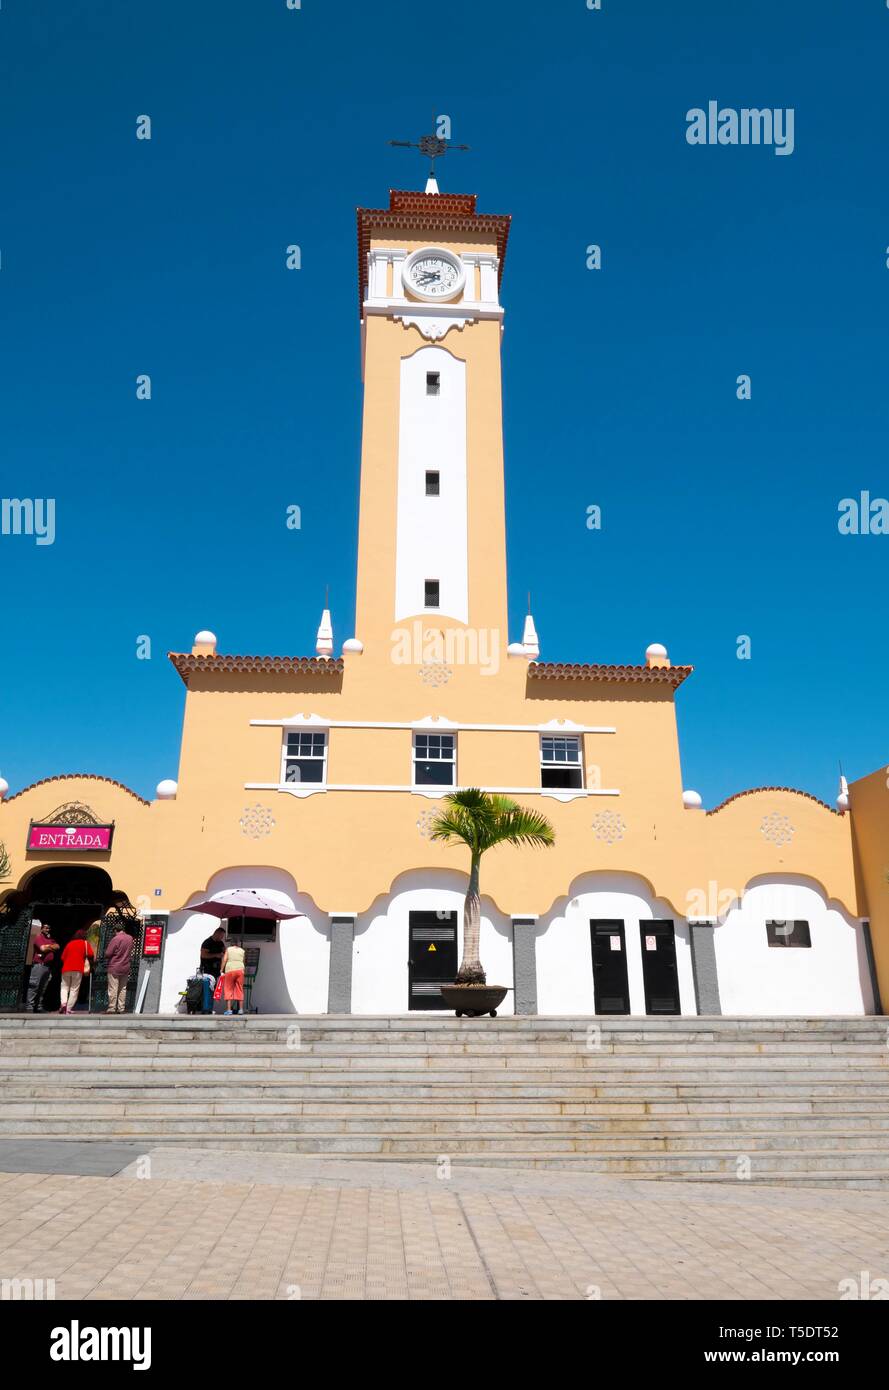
(176, 1223)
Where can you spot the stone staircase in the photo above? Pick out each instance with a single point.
(786, 1100)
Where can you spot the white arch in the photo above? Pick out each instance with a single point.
(564, 943)
(830, 977)
(379, 962)
(293, 971)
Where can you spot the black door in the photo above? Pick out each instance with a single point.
(433, 957)
(659, 967)
(612, 992)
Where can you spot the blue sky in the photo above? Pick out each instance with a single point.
(269, 127)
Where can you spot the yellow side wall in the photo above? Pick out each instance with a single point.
(869, 800)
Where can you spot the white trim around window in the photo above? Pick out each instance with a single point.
(438, 754)
(561, 755)
(304, 751)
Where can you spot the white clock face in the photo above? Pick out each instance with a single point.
(433, 275)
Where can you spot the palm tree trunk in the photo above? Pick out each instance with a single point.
(470, 972)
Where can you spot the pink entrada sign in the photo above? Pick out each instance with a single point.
(74, 837)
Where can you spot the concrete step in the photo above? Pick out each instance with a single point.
(581, 1068)
(570, 1133)
(624, 1161)
(376, 1110)
(481, 1086)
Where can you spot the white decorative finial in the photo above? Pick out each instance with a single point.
(324, 638)
(353, 644)
(167, 789)
(692, 800)
(431, 185)
(529, 639)
(842, 801)
(4, 787)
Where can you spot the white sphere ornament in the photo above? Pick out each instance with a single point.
(353, 644)
(516, 649)
(656, 649)
(205, 637)
(167, 789)
(4, 787)
(692, 800)
(842, 802)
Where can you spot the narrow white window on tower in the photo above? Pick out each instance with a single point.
(560, 764)
(432, 538)
(430, 594)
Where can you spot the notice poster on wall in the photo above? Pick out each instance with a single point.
(651, 943)
(615, 943)
(154, 935)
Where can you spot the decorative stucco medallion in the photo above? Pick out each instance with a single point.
(425, 822)
(608, 827)
(777, 829)
(435, 673)
(257, 821)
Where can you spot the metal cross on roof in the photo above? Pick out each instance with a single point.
(432, 146)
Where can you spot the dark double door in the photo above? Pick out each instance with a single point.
(432, 957)
(611, 985)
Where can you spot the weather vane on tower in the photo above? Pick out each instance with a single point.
(433, 147)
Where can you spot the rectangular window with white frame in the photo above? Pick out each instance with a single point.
(561, 762)
(304, 757)
(435, 760)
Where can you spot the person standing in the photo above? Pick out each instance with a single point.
(212, 952)
(233, 978)
(118, 957)
(42, 952)
(76, 960)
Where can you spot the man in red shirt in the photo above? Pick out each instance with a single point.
(43, 951)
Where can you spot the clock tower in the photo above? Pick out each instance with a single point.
(431, 542)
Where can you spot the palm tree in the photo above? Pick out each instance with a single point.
(480, 821)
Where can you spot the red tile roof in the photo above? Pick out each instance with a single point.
(188, 662)
(451, 213)
(75, 777)
(657, 675)
(794, 791)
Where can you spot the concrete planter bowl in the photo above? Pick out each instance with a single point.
(473, 1000)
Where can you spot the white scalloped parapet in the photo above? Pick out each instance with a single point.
(167, 789)
(692, 800)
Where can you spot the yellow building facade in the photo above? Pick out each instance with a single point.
(315, 778)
